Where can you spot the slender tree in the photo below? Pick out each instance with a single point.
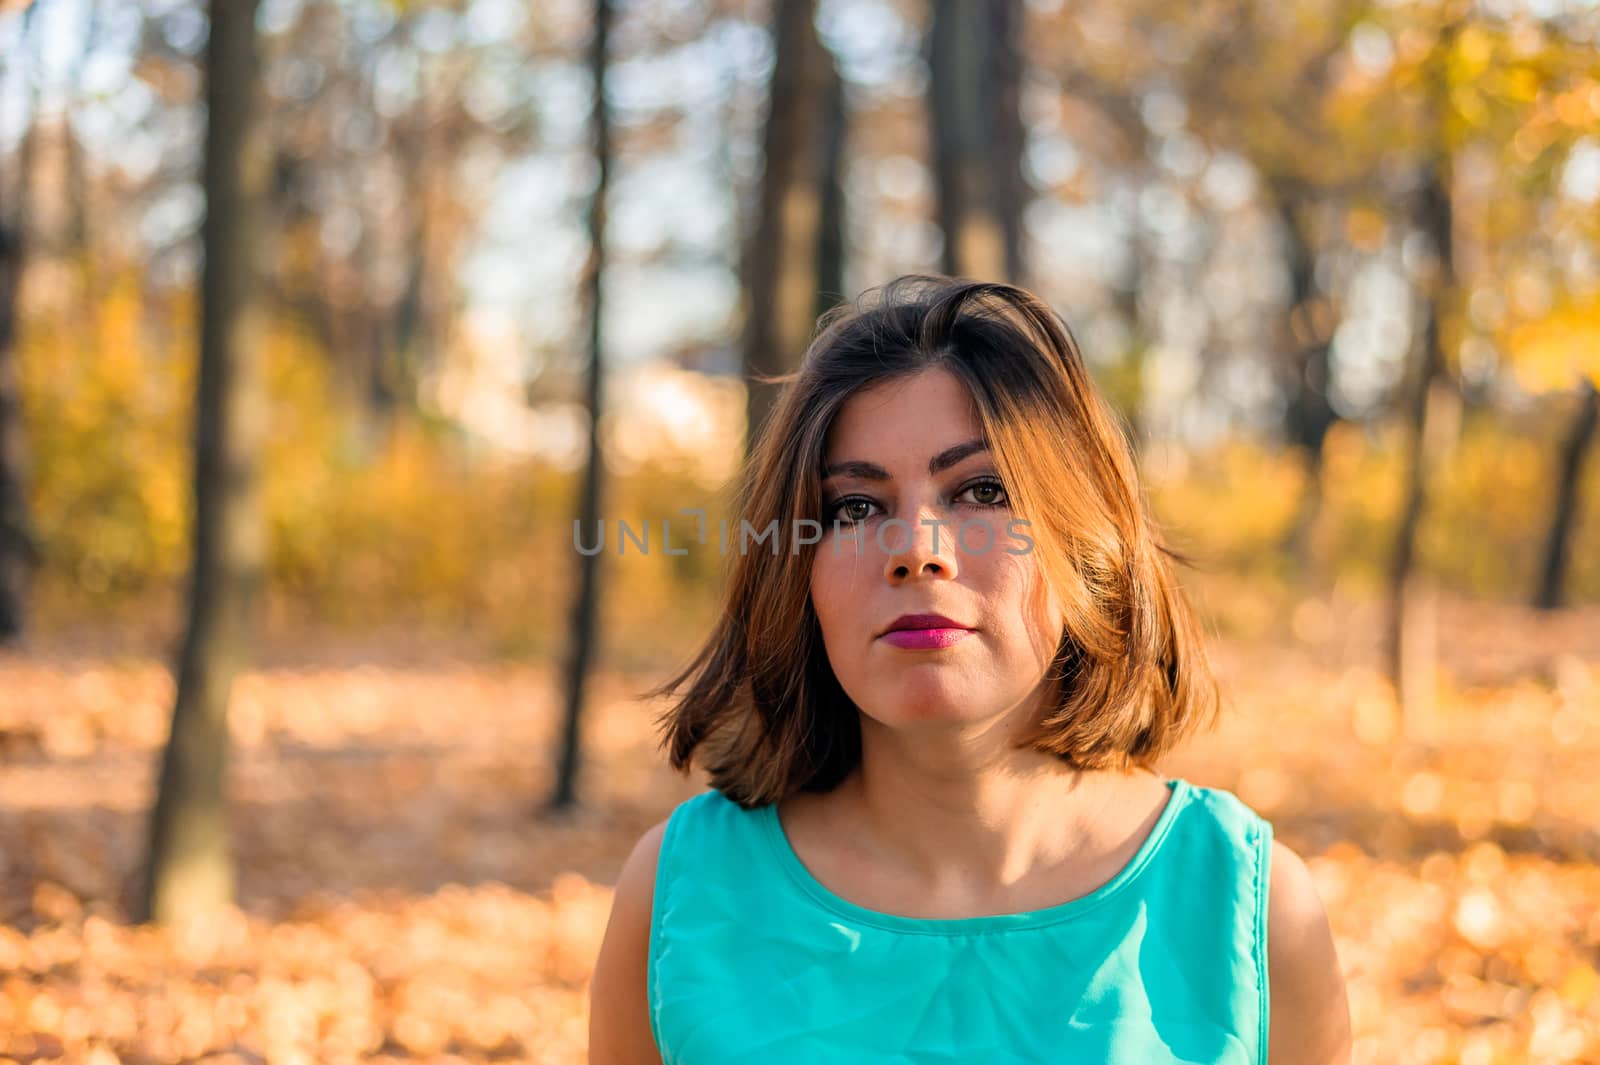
(585, 629)
(1410, 600)
(1564, 513)
(19, 548)
(1410, 634)
(190, 869)
(974, 88)
(1305, 346)
(779, 259)
(80, 235)
(832, 229)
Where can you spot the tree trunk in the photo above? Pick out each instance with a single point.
(1569, 479)
(1130, 399)
(833, 229)
(190, 868)
(76, 182)
(19, 548)
(1007, 135)
(414, 337)
(976, 128)
(780, 261)
(585, 629)
(19, 551)
(1306, 332)
(414, 146)
(373, 321)
(1410, 657)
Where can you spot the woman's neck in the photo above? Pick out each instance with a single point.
(976, 822)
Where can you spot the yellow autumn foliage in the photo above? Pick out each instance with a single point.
(1554, 352)
(400, 524)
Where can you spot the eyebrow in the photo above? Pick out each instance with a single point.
(871, 471)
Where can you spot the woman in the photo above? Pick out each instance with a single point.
(930, 715)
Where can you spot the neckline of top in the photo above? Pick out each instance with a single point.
(772, 829)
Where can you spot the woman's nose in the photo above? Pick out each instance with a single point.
(921, 545)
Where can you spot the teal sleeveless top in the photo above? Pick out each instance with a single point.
(753, 960)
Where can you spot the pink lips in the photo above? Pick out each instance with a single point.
(924, 631)
(923, 639)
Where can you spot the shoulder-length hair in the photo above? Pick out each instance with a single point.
(763, 712)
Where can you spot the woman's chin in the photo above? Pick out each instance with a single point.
(913, 706)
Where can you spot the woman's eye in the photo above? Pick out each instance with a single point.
(857, 509)
(987, 493)
(843, 510)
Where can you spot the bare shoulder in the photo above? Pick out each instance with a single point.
(1309, 1011)
(619, 1009)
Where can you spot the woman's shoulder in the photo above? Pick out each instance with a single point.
(708, 829)
(636, 882)
(620, 1028)
(700, 806)
(1225, 811)
(710, 807)
(1217, 831)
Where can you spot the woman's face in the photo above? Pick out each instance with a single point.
(866, 575)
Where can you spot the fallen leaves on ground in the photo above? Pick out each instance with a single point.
(401, 898)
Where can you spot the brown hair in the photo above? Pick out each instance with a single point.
(764, 713)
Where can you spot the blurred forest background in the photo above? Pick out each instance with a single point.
(321, 321)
